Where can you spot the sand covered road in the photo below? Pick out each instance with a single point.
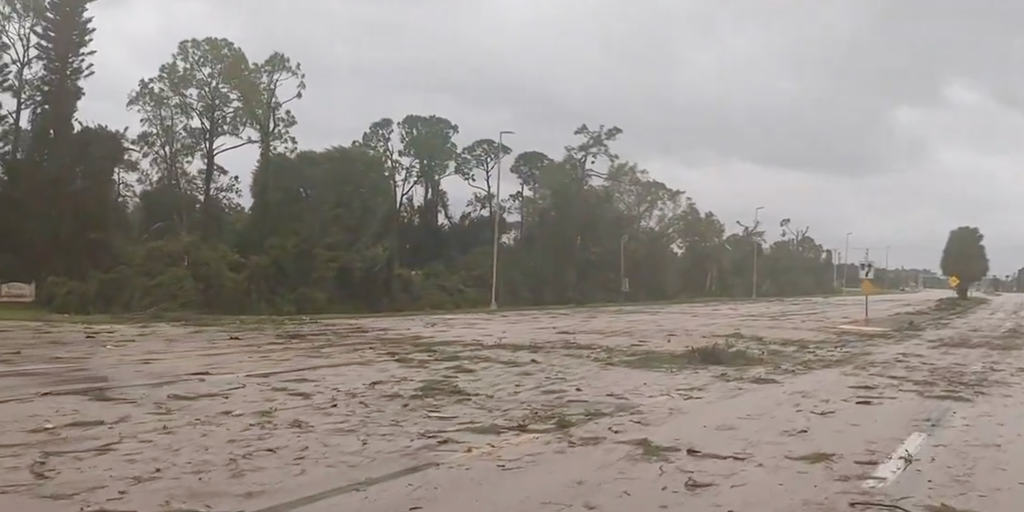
(569, 409)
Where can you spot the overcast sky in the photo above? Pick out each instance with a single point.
(896, 120)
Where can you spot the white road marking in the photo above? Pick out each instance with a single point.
(897, 461)
(864, 328)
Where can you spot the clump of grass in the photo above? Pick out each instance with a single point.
(911, 326)
(651, 451)
(949, 397)
(460, 368)
(722, 355)
(814, 457)
(488, 429)
(563, 422)
(411, 361)
(448, 357)
(438, 388)
(739, 335)
(586, 441)
(715, 354)
(555, 421)
(954, 306)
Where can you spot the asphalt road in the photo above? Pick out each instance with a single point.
(589, 409)
(947, 400)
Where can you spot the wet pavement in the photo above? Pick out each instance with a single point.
(743, 406)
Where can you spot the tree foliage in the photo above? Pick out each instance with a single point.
(109, 221)
(19, 67)
(964, 257)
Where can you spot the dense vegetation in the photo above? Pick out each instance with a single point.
(110, 221)
(965, 258)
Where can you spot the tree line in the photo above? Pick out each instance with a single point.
(113, 220)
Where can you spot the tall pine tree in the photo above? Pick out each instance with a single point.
(49, 183)
(64, 35)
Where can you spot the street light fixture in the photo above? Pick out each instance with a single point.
(496, 209)
(753, 293)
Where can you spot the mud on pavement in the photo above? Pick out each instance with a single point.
(732, 406)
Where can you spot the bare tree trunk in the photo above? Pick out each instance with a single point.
(522, 211)
(19, 108)
(207, 206)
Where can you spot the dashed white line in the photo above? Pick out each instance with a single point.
(897, 461)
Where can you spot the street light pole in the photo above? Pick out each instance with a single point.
(835, 268)
(622, 266)
(887, 280)
(846, 261)
(753, 293)
(496, 213)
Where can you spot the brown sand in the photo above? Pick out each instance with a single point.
(556, 410)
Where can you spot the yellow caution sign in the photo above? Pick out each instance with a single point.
(953, 281)
(867, 287)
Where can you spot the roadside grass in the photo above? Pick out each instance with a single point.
(35, 313)
(938, 313)
(26, 312)
(952, 306)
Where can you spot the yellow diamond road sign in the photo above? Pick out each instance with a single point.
(866, 285)
(953, 281)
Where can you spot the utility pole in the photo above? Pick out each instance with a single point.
(496, 208)
(623, 282)
(753, 293)
(885, 284)
(835, 267)
(867, 261)
(846, 260)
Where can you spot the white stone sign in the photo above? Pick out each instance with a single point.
(17, 292)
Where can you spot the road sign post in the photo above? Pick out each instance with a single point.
(867, 273)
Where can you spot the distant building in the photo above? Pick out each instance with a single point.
(934, 282)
